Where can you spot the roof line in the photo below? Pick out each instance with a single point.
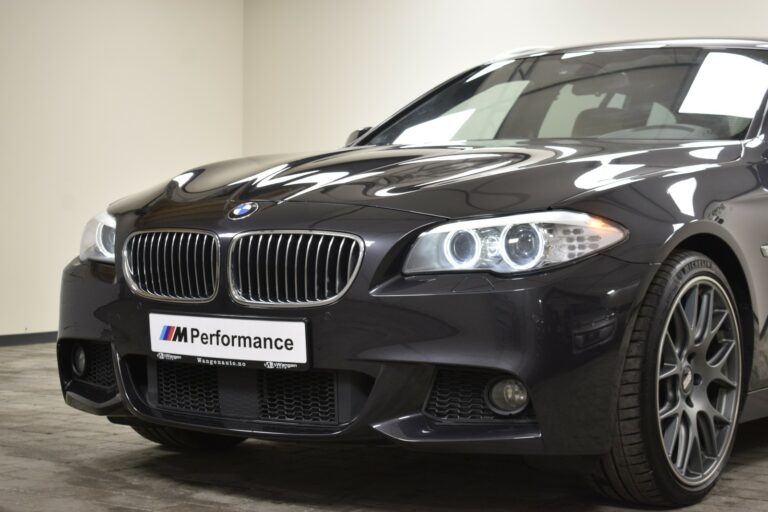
(711, 42)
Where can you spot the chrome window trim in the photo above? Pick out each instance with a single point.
(239, 299)
(162, 298)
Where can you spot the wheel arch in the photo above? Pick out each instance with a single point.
(729, 263)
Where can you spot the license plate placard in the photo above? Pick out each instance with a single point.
(272, 344)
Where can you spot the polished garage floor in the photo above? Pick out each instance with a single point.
(54, 458)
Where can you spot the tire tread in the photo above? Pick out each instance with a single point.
(625, 473)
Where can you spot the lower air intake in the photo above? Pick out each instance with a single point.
(258, 395)
(99, 370)
(458, 395)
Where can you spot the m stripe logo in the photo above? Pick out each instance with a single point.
(173, 333)
(167, 333)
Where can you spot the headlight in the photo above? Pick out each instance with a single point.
(98, 242)
(515, 243)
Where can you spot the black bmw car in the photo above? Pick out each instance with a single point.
(559, 252)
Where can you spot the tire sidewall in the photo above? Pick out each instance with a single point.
(690, 266)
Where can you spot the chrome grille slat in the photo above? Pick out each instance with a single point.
(214, 258)
(162, 254)
(202, 255)
(258, 272)
(174, 265)
(286, 286)
(266, 263)
(352, 251)
(338, 263)
(306, 268)
(151, 286)
(248, 253)
(132, 262)
(297, 268)
(176, 252)
(326, 276)
(173, 270)
(142, 267)
(202, 265)
(142, 258)
(148, 240)
(277, 268)
(194, 264)
(317, 264)
(167, 290)
(188, 270)
(238, 246)
(157, 266)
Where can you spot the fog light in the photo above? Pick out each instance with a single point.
(507, 396)
(79, 360)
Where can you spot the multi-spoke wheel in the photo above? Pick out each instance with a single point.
(680, 391)
(698, 373)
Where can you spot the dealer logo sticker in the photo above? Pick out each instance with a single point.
(271, 365)
(168, 357)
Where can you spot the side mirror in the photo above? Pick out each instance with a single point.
(356, 134)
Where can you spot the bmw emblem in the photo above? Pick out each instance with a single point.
(243, 210)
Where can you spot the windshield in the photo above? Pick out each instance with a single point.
(657, 94)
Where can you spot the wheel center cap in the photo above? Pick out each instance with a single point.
(686, 382)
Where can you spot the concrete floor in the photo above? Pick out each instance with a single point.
(55, 458)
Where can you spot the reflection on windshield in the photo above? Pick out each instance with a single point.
(436, 130)
(727, 85)
(656, 93)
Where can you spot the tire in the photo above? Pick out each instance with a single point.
(670, 372)
(186, 440)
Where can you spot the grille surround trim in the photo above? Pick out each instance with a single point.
(237, 297)
(137, 290)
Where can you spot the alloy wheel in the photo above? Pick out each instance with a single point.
(698, 380)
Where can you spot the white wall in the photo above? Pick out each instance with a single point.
(100, 98)
(316, 69)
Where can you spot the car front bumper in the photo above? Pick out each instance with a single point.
(562, 333)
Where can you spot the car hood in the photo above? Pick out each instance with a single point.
(446, 181)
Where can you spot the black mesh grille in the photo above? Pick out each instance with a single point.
(189, 388)
(293, 267)
(99, 370)
(179, 265)
(300, 397)
(263, 395)
(458, 395)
